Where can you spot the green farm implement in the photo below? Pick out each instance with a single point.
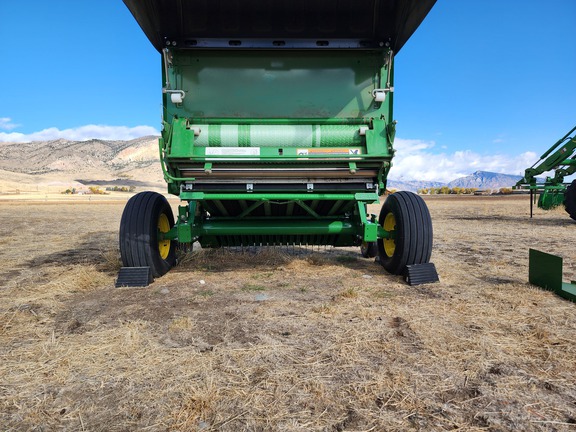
(553, 191)
(277, 129)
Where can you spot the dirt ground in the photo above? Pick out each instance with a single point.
(285, 339)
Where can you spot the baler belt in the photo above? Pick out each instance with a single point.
(277, 135)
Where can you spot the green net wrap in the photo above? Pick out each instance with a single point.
(277, 135)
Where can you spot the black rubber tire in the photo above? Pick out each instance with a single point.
(139, 233)
(413, 241)
(369, 249)
(570, 200)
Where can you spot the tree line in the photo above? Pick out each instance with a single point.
(445, 190)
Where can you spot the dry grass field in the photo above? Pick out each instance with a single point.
(285, 339)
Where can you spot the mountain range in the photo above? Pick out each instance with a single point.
(51, 166)
(478, 179)
(60, 164)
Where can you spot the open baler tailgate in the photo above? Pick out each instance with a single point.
(370, 21)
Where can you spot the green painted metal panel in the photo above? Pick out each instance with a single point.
(545, 271)
(184, 233)
(276, 84)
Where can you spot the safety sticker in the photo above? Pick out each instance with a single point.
(329, 151)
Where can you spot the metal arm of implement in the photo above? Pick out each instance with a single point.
(560, 157)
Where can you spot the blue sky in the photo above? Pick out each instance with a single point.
(482, 85)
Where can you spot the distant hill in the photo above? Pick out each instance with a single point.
(485, 180)
(43, 157)
(61, 164)
(478, 179)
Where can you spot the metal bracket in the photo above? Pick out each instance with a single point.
(187, 187)
(545, 271)
(379, 95)
(176, 96)
(369, 227)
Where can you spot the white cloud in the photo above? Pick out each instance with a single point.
(6, 124)
(81, 133)
(417, 160)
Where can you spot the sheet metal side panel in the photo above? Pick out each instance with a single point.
(377, 20)
(283, 84)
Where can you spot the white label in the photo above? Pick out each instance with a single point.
(232, 151)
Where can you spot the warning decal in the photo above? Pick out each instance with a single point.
(329, 151)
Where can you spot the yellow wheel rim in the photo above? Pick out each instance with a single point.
(163, 245)
(389, 225)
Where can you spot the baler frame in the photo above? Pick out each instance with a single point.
(281, 136)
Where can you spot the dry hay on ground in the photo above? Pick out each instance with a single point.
(285, 339)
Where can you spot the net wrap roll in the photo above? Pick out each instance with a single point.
(277, 135)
